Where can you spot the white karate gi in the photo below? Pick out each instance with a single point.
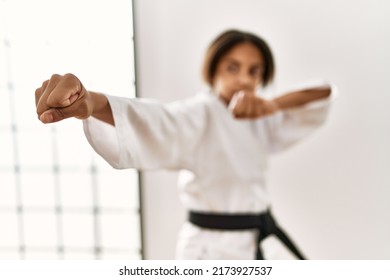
(223, 160)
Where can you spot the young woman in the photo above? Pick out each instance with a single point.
(220, 140)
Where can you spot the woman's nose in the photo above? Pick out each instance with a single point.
(245, 80)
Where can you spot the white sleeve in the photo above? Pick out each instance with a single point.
(147, 134)
(288, 127)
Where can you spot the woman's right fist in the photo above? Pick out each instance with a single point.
(62, 97)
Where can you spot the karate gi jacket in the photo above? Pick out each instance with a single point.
(222, 160)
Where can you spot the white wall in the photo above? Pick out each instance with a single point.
(331, 192)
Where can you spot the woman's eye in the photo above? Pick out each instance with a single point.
(232, 68)
(256, 72)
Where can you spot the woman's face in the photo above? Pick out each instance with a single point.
(239, 69)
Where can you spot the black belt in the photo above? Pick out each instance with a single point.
(264, 222)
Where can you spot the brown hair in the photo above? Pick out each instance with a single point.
(225, 42)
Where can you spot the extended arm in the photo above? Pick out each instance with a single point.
(299, 98)
(247, 105)
(295, 120)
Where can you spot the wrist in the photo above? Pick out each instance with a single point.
(101, 108)
(275, 105)
(98, 102)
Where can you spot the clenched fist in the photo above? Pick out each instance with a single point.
(244, 105)
(62, 97)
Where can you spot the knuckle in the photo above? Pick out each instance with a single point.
(38, 92)
(73, 81)
(70, 76)
(55, 77)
